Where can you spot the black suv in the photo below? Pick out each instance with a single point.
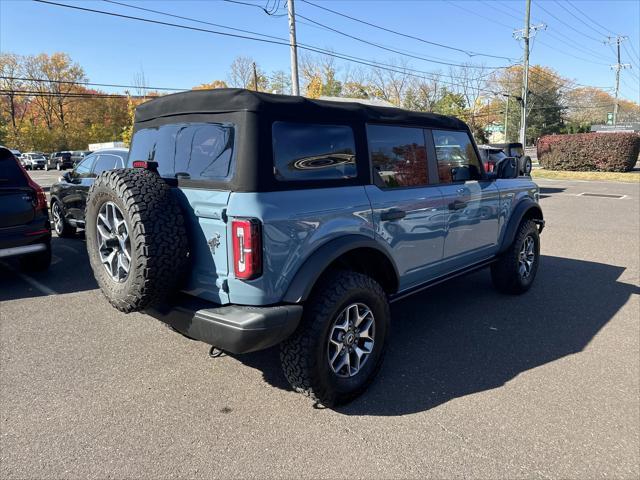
(25, 231)
(59, 161)
(69, 194)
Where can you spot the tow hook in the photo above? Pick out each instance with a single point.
(215, 352)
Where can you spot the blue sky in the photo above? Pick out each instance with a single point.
(112, 50)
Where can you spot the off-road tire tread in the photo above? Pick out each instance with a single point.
(158, 237)
(297, 352)
(504, 272)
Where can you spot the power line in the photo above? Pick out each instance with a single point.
(605, 29)
(382, 47)
(569, 25)
(590, 27)
(350, 58)
(470, 53)
(65, 95)
(79, 83)
(195, 19)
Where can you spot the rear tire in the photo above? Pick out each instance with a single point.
(305, 356)
(515, 270)
(36, 262)
(143, 255)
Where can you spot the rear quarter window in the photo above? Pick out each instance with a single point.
(10, 172)
(198, 151)
(303, 151)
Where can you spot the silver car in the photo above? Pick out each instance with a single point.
(33, 160)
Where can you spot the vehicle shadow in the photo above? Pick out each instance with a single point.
(548, 191)
(69, 272)
(462, 337)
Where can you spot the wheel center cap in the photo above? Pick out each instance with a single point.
(349, 338)
(113, 242)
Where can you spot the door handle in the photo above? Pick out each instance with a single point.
(457, 205)
(393, 214)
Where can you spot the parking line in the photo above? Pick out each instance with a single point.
(31, 281)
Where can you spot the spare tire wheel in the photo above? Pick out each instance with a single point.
(136, 238)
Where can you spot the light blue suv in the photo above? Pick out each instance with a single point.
(248, 220)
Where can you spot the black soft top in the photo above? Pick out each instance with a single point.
(228, 100)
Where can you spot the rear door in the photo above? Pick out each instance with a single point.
(192, 155)
(471, 201)
(17, 199)
(408, 209)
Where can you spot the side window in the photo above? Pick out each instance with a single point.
(303, 151)
(104, 162)
(204, 151)
(84, 167)
(398, 155)
(457, 159)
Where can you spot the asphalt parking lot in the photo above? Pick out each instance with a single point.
(475, 384)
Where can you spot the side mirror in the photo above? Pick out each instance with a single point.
(507, 168)
(65, 177)
(460, 174)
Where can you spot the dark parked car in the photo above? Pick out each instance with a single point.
(69, 194)
(59, 161)
(78, 155)
(25, 231)
(490, 156)
(515, 149)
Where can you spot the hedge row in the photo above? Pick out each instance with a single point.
(604, 152)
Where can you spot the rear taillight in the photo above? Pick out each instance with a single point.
(41, 198)
(247, 248)
(491, 166)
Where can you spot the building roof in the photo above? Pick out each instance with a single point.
(225, 100)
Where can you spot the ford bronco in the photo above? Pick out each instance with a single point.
(247, 220)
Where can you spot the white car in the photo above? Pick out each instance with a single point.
(33, 160)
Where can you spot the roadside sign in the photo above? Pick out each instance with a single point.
(609, 118)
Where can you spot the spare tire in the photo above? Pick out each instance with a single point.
(136, 237)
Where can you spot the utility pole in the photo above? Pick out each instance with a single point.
(525, 34)
(295, 83)
(618, 39)
(506, 118)
(255, 77)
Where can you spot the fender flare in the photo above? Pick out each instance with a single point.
(522, 208)
(314, 266)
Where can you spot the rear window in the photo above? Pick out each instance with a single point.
(199, 151)
(10, 172)
(303, 151)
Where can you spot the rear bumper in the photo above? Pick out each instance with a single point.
(233, 328)
(23, 250)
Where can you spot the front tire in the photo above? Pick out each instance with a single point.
(60, 225)
(515, 271)
(337, 350)
(527, 166)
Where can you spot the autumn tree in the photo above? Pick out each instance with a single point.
(55, 78)
(544, 104)
(241, 75)
(211, 85)
(13, 103)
